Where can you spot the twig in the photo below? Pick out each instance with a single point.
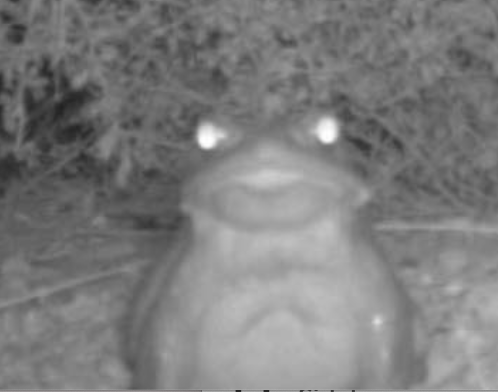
(67, 285)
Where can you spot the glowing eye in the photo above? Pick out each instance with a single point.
(209, 136)
(327, 130)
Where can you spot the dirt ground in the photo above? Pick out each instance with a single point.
(69, 265)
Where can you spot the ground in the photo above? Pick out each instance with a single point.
(69, 263)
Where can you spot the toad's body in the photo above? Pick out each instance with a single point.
(275, 282)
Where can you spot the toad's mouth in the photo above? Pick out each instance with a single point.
(281, 192)
(271, 197)
(268, 178)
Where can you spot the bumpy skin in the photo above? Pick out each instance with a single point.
(275, 281)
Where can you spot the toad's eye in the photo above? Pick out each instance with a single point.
(211, 136)
(326, 130)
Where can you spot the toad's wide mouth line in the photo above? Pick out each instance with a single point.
(268, 178)
(273, 183)
(270, 174)
(284, 192)
(284, 203)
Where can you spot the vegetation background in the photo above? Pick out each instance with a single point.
(98, 99)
